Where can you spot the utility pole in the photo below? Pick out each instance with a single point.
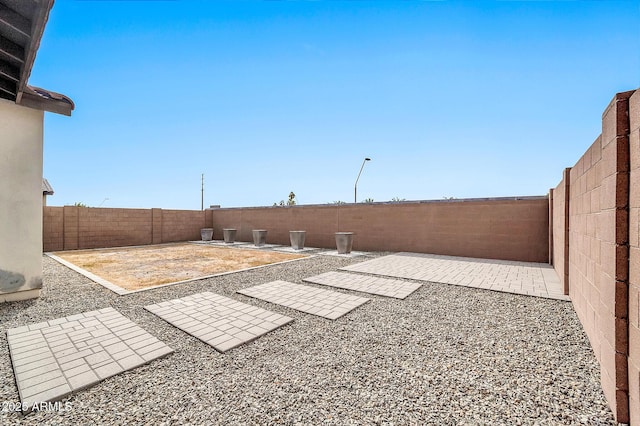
(202, 194)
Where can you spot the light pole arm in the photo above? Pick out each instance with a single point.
(355, 187)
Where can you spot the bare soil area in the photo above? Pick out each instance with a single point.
(136, 268)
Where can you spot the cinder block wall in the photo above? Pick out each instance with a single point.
(53, 228)
(184, 225)
(634, 260)
(112, 227)
(597, 250)
(510, 229)
(560, 232)
(71, 228)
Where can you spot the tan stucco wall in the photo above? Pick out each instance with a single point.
(21, 135)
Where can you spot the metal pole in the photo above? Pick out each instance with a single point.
(355, 187)
(202, 194)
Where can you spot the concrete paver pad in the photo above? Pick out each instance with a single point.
(219, 321)
(54, 358)
(335, 253)
(366, 284)
(533, 279)
(221, 243)
(312, 300)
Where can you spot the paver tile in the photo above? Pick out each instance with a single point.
(131, 362)
(214, 319)
(42, 378)
(123, 354)
(108, 370)
(156, 354)
(77, 370)
(366, 284)
(83, 380)
(47, 395)
(230, 344)
(536, 279)
(304, 298)
(43, 385)
(62, 359)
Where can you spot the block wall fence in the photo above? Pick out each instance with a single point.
(596, 249)
(511, 229)
(72, 228)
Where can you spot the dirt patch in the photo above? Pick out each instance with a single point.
(143, 267)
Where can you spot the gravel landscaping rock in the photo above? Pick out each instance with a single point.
(445, 355)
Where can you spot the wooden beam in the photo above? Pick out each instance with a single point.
(11, 50)
(9, 72)
(8, 87)
(14, 20)
(6, 96)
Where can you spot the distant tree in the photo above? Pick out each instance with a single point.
(397, 200)
(368, 200)
(79, 204)
(450, 198)
(291, 201)
(338, 202)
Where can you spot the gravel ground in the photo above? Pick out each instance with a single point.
(445, 355)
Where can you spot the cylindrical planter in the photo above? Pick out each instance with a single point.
(229, 235)
(344, 241)
(206, 234)
(259, 236)
(297, 239)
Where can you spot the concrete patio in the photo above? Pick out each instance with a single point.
(531, 279)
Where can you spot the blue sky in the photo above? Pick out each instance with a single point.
(448, 98)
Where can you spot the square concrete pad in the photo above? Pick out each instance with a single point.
(217, 320)
(352, 254)
(532, 279)
(262, 247)
(54, 358)
(366, 284)
(292, 250)
(221, 243)
(312, 300)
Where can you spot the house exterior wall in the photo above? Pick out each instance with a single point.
(21, 138)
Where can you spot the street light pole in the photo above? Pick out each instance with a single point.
(355, 187)
(202, 194)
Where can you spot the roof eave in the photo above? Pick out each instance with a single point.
(37, 98)
(39, 23)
